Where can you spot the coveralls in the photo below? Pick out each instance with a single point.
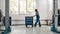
(37, 19)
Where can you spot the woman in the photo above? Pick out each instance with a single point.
(37, 18)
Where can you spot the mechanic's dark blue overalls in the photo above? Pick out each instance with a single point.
(37, 19)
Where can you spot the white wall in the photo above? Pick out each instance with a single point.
(2, 6)
(45, 8)
(42, 8)
(50, 10)
(58, 4)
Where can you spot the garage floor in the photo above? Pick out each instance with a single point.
(30, 30)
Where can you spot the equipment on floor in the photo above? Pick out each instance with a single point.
(8, 29)
(0, 19)
(55, 17)
(29, 21)
(59, 17)
(0, 14)
(9, 20)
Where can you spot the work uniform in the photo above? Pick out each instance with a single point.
(37, 19)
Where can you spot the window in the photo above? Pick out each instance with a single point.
(22, 6)
(14, 7)
(31, 6)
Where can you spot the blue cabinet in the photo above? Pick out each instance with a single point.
(29, 20)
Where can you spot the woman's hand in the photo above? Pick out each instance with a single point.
(34, 15)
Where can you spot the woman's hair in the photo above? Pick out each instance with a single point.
(35, 9)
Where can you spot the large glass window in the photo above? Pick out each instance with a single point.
(31, 6)
(14, 7)
(22, 6)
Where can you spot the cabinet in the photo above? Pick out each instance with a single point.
(29, 21)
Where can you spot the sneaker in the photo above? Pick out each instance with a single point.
(35, 25)
(39, 25)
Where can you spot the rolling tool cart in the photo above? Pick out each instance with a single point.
(29, 20)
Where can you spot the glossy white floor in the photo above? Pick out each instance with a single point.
(30, 30)
(21, 29)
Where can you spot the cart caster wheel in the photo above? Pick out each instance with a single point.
(32, 25)
(26, 25)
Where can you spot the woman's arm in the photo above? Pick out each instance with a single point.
(34, 15)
